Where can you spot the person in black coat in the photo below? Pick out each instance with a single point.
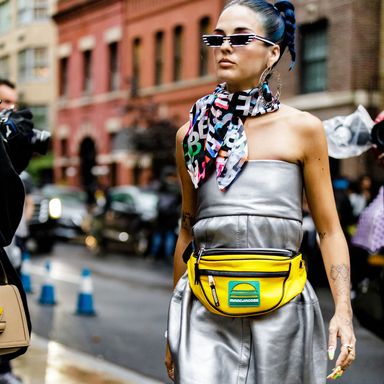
(16, 136)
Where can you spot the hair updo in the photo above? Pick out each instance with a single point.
(278, 21)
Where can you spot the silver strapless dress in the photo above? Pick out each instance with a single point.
(263, 208)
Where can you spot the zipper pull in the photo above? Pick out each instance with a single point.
(197, 271)
(212, 284)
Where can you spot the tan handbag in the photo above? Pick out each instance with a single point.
(14, 332)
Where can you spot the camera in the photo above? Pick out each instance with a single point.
(377, 135)
(16, 124)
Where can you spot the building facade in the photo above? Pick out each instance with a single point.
(338, 66)
(91, 95)
(163, 68)
(27, 45)
(167, 61)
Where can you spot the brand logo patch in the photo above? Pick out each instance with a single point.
(244, 294)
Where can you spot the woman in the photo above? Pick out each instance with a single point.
(264, 154)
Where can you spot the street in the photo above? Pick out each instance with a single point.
(131, 297)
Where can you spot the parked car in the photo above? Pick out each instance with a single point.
(59, 212)
(43, 223)
(71, 210)
(127, 218)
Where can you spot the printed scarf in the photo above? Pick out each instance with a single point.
(216, 137)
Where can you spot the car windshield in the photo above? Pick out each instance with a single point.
(122, 197)
(65, 194)
(141, 200)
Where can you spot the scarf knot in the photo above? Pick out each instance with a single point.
(216, 137)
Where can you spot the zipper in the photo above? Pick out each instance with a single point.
(247, 251)
(209, 272)
(212, 285)
(197, 270)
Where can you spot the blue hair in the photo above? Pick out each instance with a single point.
(278, 21)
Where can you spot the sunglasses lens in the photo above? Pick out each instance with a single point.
(213, 40)
(240, 39)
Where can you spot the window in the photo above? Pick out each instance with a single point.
(205, 25)
(114, 76)
(112, 136)
(63, 77)
(33, 64)
(63, 171)
(32, 10)
(40, 10)
(40, 116)
(4, 67)
(64, 147)
(87, 72)
(136, 61)
(314, 58)
(159, 59)
(178, 53)
(5, 16)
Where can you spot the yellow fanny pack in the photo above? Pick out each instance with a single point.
(245, 282)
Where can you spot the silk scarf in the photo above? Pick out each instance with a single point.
(216, 136)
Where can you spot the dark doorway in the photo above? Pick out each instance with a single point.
(87, 162)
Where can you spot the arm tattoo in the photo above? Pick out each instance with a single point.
(340, 273)
(340, 277)
(187, 221)
(322, 235)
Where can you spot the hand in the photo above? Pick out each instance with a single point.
(341, 327)
(18, 123)
(169, 364)
(17, 130)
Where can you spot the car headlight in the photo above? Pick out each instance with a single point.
(55, 208)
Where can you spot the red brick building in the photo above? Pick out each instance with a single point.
(167, 60)
(162, 68)
(161, 63)
(91, 87)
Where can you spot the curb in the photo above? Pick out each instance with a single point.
(47, 361)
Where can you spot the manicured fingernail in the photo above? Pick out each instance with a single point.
(331, 353)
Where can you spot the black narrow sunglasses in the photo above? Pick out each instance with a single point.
(236, 40)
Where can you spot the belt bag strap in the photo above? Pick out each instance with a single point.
(245, 282)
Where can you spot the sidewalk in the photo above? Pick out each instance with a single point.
(48, 362)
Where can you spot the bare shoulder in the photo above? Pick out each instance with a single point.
(181, 132)
(307, 131)
(305, 122)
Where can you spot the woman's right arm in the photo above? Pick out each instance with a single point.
(188, 208)
(188, 215)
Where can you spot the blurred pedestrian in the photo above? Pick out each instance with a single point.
(368, 243)
(243, 161)
(168, 213)
(360, 195)
(368, 239)
(343, 204)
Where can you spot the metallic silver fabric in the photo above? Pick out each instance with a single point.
(288, 346)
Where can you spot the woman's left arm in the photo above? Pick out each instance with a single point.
(333, 245)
